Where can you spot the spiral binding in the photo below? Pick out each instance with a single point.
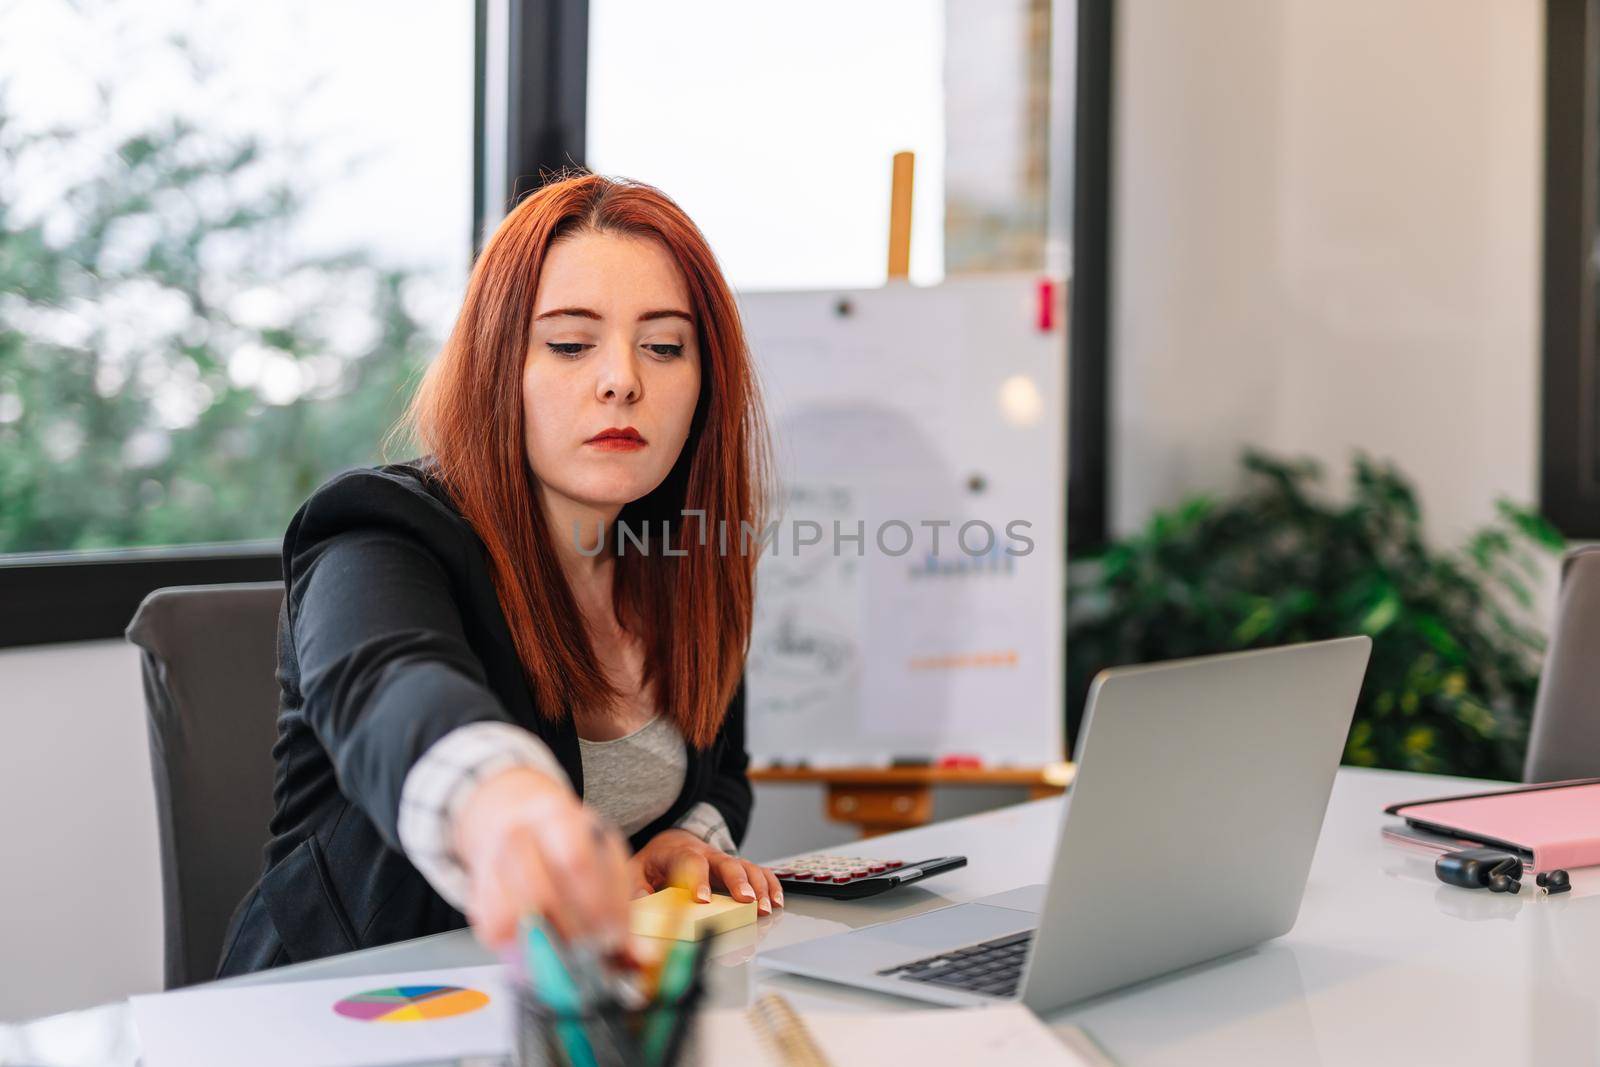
(784, 1033)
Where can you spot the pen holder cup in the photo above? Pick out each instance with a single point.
(608, 1034)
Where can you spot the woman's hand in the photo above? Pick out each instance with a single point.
(680, 853)
(529, 846)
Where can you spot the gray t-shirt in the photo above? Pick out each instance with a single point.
(633, 780)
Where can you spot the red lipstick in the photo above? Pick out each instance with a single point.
(618, 439)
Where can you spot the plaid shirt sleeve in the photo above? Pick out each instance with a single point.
(439, 783)
(706, 822)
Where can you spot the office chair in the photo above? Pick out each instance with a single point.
(1565, 739)
(211, 700)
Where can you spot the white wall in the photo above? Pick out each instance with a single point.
(80, 878)
(1326, 235)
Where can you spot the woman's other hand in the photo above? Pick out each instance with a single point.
(530, 847)
(699, 867)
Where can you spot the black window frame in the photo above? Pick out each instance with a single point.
(1089, 323)
(57, 597)
(1569, 462)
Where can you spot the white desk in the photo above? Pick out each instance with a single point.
(1385, 965)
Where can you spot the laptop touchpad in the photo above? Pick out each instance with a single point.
(953, 927)
(1029, 898)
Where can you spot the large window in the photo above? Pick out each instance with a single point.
(230, 235)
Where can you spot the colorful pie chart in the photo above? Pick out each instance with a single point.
(411, 1003)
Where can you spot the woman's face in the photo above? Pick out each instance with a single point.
(613, 370)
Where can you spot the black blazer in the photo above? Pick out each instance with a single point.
(392, 636)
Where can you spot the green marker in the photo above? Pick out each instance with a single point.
(555, 987)
(676, 975)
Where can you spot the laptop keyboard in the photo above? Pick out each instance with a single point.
(993, 968)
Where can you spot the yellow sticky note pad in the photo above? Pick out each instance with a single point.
(673, 913)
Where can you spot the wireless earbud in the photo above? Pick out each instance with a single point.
(1553, 881)
(1501, 880)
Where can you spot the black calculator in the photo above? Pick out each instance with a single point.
(854, 877)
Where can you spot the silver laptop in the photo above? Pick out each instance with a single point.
(1187, 835)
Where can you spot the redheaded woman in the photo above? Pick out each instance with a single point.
(492, 704)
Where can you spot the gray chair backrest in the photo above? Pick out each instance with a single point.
(211, 699)
(1565, 739)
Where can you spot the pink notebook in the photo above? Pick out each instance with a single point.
(1558, 822)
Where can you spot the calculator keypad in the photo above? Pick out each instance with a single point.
(839, 870)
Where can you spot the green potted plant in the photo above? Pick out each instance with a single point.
(1456, 649)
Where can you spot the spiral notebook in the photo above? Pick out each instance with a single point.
(770, 1033)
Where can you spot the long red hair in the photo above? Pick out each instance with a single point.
(695, 609)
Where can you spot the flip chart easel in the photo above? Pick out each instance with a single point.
(942, 404)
